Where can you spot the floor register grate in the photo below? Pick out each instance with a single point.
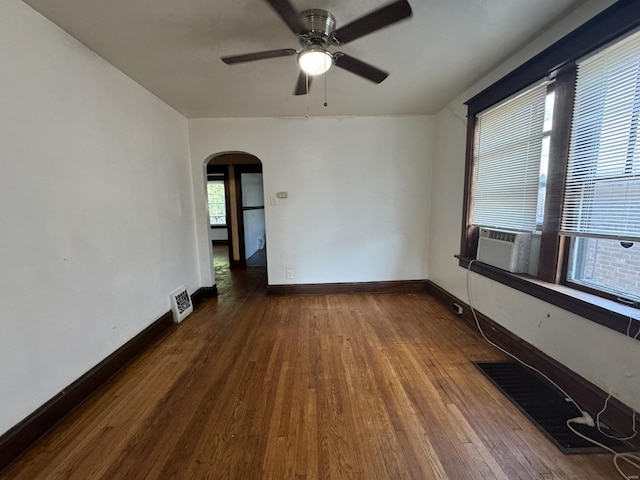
(545, 406)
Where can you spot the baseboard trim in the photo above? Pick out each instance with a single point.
(400, 286)
(618, 415)
(22, 436)
(19, 438)
(203, 293)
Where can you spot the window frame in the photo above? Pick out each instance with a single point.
(557, 62)
(217, 178)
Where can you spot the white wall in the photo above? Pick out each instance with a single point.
(96, 207)
(253, 220)
(254, 231)
(358, 193)
(595, 352)
(219, 234)
(252, 190)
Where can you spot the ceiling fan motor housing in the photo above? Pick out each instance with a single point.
(320, 25)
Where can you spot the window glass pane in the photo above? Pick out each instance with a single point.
(608, 265)
(548, 111)
(542, 186)
(544, 157)
(217, 206)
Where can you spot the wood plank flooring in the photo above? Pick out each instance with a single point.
(318, 387)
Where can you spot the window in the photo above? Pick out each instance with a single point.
(508, 150)
(217, 205)
(601, 208)
(553, 150)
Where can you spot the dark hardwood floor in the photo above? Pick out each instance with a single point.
(240, 282)
(308, 387)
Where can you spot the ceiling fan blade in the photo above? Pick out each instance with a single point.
(250, 57)
(303, 85)
(289, 14)
(359, 67)
(373, 21)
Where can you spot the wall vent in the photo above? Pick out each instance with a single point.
(181, 304)
(504, 249)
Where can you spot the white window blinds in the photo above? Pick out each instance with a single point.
(507, 161)
(602, 192)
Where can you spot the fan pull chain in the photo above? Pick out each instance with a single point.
(325, 90)
(306, 79)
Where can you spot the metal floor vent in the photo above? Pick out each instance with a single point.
(181, 304)
(545, 406)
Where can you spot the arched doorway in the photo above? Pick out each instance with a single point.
(236, 212)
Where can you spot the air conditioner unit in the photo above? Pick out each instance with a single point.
(504, 249)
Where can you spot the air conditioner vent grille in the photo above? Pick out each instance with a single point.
(499, 235)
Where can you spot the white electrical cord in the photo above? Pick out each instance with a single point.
(606, 402)
(584, 417)
(475, 316)
(631, 458)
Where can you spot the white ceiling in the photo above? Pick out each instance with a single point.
(173, 48)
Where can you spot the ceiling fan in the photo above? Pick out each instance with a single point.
(316, 32)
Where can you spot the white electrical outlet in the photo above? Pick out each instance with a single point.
(289, 273)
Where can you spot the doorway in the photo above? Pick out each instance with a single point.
(236, 212)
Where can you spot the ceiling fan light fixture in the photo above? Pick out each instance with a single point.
(315, 61)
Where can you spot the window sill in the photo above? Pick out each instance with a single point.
(599, 310)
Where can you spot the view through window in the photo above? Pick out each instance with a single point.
(217, 205)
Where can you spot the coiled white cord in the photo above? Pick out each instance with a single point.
(631, 458)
